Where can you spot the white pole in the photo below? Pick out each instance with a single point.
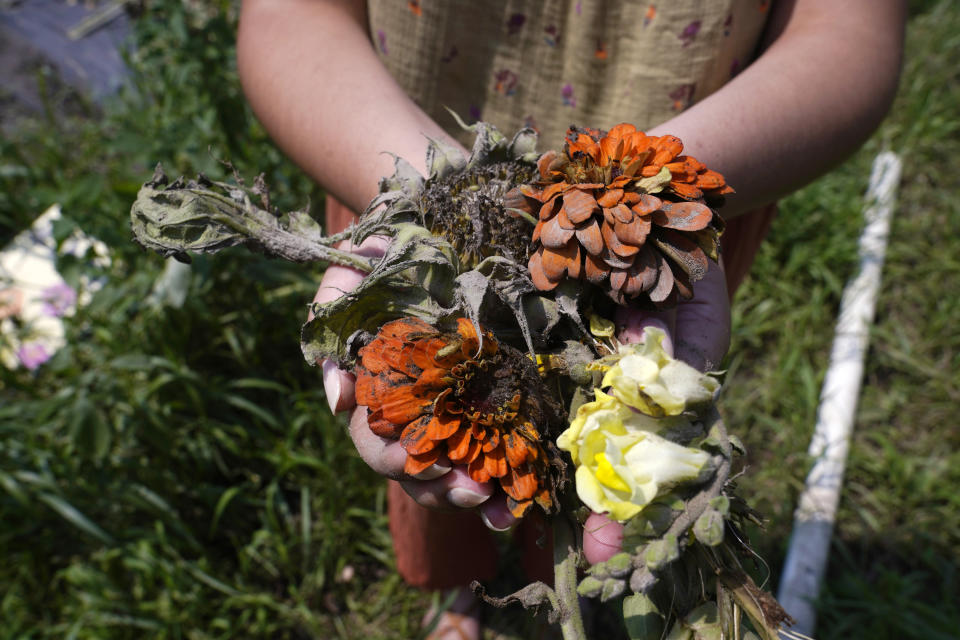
(813, 520)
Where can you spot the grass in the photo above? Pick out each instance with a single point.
(175, 473)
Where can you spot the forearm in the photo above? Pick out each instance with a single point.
(822, 85)
(314, 81)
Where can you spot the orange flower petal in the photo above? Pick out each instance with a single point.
(414, 438)
(665, 280)
(688, 191)
(536, 232)
(621, 130)
(495, 462)
(667, 148)
(520, 483)
(405, 328)
(553, 235)
(709, 180)
(477, 470)
(583, 144)
(613, 261)
(613, 243)
(618, 278)
(647, 204)
(383, 427)
(537, 275)
(458, 445)
(579, 205)
(564, 220)
(610, 197)
(684, 252)
(686, 216)
(611, 148)
(551, 203)
(425, 351)
(516, 449)
(622, 213)
(544, 499)
(414, 464)
(519, 509)
(372, 389)
(640, 145)
(562, 262)
(594, 269)
(590, 237)
(442, 427)
(364, 388)
(543, 163)
(466, 329)
(643, 273)
(493, 439)
(400, 405)
(634, 232)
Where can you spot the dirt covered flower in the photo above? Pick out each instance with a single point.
(464, 396)
(625, 211)
(622, 462)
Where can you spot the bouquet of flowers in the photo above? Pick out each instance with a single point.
(483, 334)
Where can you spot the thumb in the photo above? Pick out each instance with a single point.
(602, 538)
(631, 323)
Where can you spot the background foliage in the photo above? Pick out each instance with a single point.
(175, 472)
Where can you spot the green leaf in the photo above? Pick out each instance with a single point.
(662, 552)
(642, 618)
(90, 432)
(443, 158)
(405, 178)
(225, 498)
(612, 588)
(721, 504)
(709, 527)
(590, 587)
(620, 565)
(524, 145)
(69, 513)
(393, 289)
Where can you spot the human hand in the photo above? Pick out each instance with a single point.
(698, 332)
(442, 486)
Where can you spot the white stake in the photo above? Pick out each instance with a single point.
(813, 521)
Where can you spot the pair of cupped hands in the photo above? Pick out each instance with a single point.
(698, 332)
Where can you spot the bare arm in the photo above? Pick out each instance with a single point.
(825, 80)
(315, 82)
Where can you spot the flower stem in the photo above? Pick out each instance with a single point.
(566, 603)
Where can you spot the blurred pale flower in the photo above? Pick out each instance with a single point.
(644, 377)
(32, 355)
(58, 299)
(622, 464)
(11, 302)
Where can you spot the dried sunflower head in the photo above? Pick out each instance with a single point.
(625, 211)
(462, 199)
(466, 396)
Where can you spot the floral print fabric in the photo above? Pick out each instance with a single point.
(551, 63)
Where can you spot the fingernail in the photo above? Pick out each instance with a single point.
(433, 471)
(465, 498)
(331, 383)
(492, 527)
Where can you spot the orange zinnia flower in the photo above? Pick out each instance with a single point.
(599, 219)
(475, 401)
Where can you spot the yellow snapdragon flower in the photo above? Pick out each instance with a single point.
(622, 463)
(647, 379)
